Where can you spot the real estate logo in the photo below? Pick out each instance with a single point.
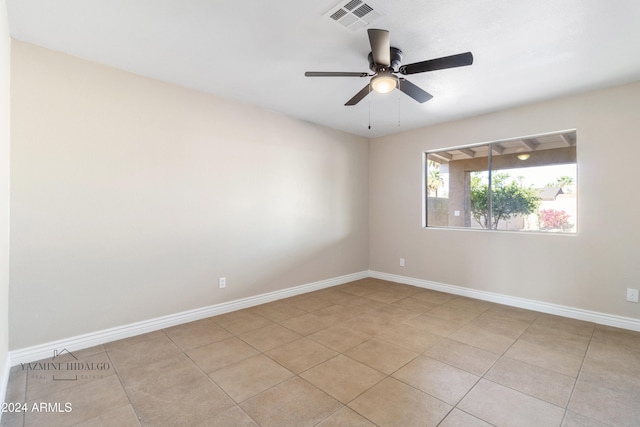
(65, 366)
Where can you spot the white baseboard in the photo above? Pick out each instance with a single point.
(4, 382)
(79, 342)
(543, 307)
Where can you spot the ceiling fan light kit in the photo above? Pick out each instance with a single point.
(384, 82)
(385, 61)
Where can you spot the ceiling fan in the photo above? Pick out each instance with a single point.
(385, 60)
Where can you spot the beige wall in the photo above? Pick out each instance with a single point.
(590, 270)
(130, 197)
(5, 49)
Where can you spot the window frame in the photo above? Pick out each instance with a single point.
(569, 136)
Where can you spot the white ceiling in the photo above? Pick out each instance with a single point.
(257, 51)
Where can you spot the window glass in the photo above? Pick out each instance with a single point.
(526, 184)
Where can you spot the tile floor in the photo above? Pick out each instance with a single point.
(366, 353)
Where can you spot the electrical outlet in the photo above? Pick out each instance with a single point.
(632, 295)
(222, 282)
(401, 262)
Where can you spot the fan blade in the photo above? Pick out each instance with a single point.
(459, 60)
(334, 74)
(380, 47)
(414, 91)
(359, 96)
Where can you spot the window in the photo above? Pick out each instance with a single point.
(524, 184)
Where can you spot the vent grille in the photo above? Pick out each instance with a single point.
(352, 4)
(339, 14)
(354, 14)
(363, 10)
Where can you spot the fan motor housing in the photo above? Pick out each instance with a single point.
(396, 60)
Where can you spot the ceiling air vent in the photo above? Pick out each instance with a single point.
(354, 14)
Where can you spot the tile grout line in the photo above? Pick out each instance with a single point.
(496, 362)
(527, 394)
(575, 383)
(124, 389)
(236, 404)
(387, 376)
(480, 377)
